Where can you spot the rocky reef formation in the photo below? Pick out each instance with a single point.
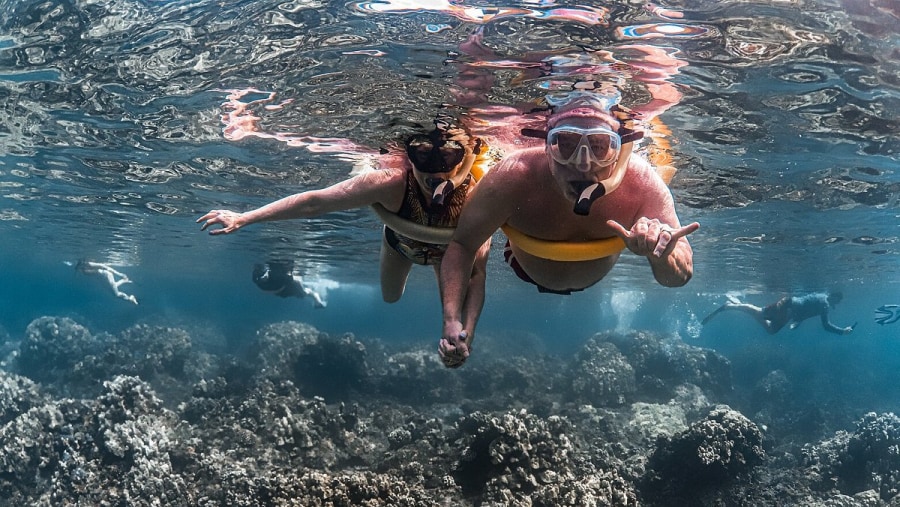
(147, 417)
(721, 447)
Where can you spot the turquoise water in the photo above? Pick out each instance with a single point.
(785, 141)
(118, 126)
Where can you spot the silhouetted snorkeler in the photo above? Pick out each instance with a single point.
(114, 278)
(790, 311)
(278, 278)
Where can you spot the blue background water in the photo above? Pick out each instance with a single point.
(786, 143)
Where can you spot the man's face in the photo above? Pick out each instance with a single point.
(581, 152)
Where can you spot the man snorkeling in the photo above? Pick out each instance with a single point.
(582, 186)
(420, 194)
(789, 310)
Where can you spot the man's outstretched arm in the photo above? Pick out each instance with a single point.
(831, 328)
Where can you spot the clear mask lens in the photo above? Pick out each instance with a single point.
(568, 145)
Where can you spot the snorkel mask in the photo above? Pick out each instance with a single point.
(590, 147)
(436, 155)
(583, 146)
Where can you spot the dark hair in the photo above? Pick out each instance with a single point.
(273, 276)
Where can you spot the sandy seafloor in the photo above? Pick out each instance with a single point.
(155, 416)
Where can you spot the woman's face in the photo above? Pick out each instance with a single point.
(439, 161)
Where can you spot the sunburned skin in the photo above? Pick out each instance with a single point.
(532, 193)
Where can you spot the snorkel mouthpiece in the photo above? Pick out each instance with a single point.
(442, 190)
(589, 194)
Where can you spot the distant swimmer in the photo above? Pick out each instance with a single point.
(115, 278)
(887, 314)
(790, 310)
(278, 278)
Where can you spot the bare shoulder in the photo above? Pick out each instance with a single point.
(516, 167)
(384, 184)
(644, 187)
(643, 179)
(497, 195)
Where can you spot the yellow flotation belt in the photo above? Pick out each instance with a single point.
(564, 250)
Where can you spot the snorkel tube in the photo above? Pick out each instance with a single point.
(595, 191)
(442, 191)
(476, 164)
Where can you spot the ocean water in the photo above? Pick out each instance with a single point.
(122, 122)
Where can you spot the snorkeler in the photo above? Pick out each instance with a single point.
(581, 186)
(887, 314)
(790, 310)
(278, 278)
(419, 190)
(113, 277)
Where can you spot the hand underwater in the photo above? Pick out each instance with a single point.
(454, 350)
(226, 218)
(651, 237)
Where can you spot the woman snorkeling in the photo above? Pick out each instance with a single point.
(426, 188)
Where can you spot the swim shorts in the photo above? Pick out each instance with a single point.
(778, 313)
(417, 252)
(520, 272)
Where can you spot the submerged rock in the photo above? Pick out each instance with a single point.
(519, 459)
(711, 453)
(52, 348)
(602, 376)
(661, 363)
(64, 355)
(298, 352)
(865, 459)
(105, 451)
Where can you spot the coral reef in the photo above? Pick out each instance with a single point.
(711, 452)
(519, 459)
(63, 354)
(602, 375)
(148, 417)
(867, 459)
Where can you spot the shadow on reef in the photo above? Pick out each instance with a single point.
(147, 417)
